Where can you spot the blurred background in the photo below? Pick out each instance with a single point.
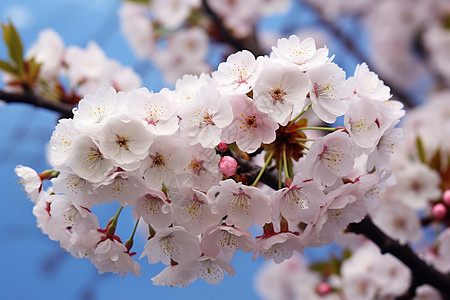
(34, 267)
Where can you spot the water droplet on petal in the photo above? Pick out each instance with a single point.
(115, 257)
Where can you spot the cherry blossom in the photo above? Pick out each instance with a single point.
(66, 214)
(193, 210)
(203, 118)
(327, 91)
(278, 247)
(250, 127)
(301, 53)
(163, 160)
(330, 157)
(238, 74)
(174, 243)
(155, 110)
(244, 205)
(366, 84)
(300, 202)
(279, 89)
(30, 180)
(87, 161)
(223, 241)
(154, 209)
(208, 269)
(112, 256)
(125, 140)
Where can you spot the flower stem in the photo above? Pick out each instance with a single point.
(280, 163)
(151, 231)
(129, 243)
(299, 115)
(113, 223)
(286, 170)
(319, 128)
(269, 158)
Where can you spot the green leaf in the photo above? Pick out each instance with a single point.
(15, 47)
(33, 70)
(5, 66)
(420, 150)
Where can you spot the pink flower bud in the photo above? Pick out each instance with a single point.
(228, 166)
(439, 211)
(222, 147)
(446, 197)
(323, 289)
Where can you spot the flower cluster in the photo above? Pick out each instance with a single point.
(421, 34)
(67, 72)
(174, 35)
(159, 154)
(362, 274)
(421, 195)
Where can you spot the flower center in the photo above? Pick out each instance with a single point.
(277, 95)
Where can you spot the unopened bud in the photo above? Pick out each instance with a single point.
(446, 197)
(439, 211)
(323, 289)
(228, 166)
(222, 147)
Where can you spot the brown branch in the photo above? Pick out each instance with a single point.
(63, 108)
(397, 92)
(250, 44)
(422, 272)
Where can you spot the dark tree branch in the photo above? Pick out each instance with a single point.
(63, 108)
(248, 44)
(422, 273)
(357, 53)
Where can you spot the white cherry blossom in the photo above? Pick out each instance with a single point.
(64, 213)
(154, 209)
(156, 111)
(120, 186)
(61, 143)
(243, 205)
(366, 84)
(193, 210)
(174, 243)
(125, 140)
(48, 51)
(164, 159)
(238, 74)
(279, 89)
(78, 189)
(203, 167)
(327, 91)
(223, 241)
(300, 202)
(300, 53)
(203, 118)
(208, 269)
(250, 127)
(112, 256)
(330, 157)
(30, 180)
(88, 162)
(278, 247)
(94, 109)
